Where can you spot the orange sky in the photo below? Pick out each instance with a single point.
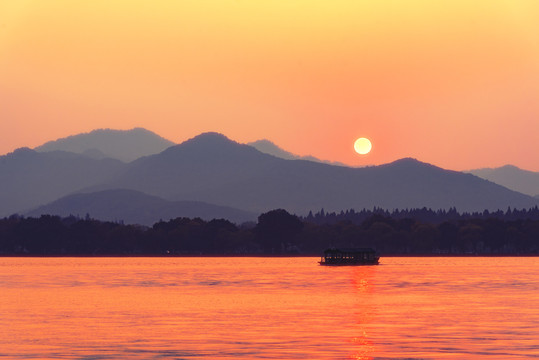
(454, 83)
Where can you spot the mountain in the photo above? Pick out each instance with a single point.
(124, 145)
(29, 178)
(134, 207)
(268, 147)
(214, 169)
(512, 177)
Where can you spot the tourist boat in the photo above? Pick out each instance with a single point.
(356, 256)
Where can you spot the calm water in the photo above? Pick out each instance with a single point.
(268, 308)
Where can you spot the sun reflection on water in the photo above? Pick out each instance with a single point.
(362, 279)
(365, 347)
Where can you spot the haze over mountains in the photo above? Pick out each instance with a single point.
(213, 169)
(512, 177)
(223, 178)
(129, 145)
(268, 147)
(29, 178)
(509, 176)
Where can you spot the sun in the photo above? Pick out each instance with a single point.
(362, 146)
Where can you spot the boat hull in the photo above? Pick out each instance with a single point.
(324, 263)
(349, 257)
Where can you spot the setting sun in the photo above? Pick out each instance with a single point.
(362, 146)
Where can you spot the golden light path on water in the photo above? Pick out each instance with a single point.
(272, 308)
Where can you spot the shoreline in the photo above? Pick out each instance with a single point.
(248, 255)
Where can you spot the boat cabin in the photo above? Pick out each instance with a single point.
(354, 256)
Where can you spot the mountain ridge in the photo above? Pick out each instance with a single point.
(135, 207)
(268, 147)
(124, 145)
(214, 169)
(512, 177)
(29, 178)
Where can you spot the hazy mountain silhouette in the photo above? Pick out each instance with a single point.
(125, 145)
(512, 177)
(29, 178)
(134, 207)
(214, 169)
(268, 147)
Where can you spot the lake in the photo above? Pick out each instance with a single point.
(269, 308)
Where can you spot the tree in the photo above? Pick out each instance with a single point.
(277, 229)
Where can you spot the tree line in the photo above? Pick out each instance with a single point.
(421, 214)
(277, 232)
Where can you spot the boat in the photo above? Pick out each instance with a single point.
(353, 256)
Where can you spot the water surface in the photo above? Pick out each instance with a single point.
(268, 308)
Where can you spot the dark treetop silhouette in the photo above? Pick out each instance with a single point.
(277, 232)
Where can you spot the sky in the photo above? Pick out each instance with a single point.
(454, 83)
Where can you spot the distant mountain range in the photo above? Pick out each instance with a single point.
(124, 145)
(134, 207)
(29, 178)
(524, 181)
(509, 176)
(210, 175)
(268, 147)
(214, 169)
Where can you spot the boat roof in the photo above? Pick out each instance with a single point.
(349, 250)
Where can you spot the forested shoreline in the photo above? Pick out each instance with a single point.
(410, 232)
